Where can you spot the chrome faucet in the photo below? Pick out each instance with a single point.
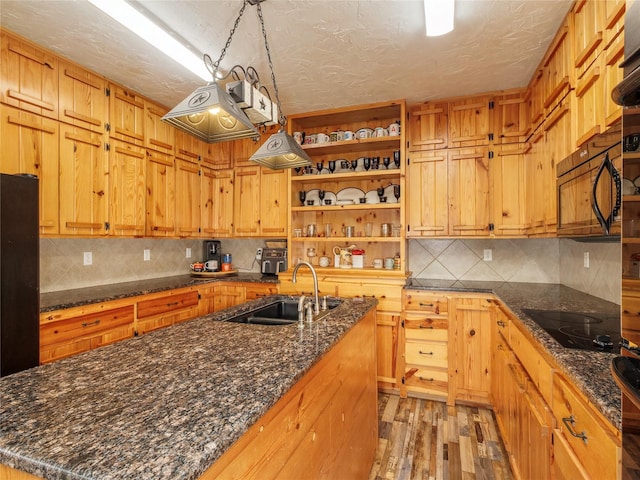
(316, 306)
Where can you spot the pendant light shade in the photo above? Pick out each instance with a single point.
(281, 151)
(438, 16)
(210, 114)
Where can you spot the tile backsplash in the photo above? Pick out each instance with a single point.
(545, 260)
(116, 260)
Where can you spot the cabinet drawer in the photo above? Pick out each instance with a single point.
(423, 327)
(427, 380)
(599, 449)
(389, 297)
(426, 354)
(535, 365)
(87, 325)
(167, 303)
(423, 301)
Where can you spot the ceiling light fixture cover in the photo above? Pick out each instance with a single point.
(438, 16)
(281, 151)
(210, 114)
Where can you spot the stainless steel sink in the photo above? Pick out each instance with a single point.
(280, 312)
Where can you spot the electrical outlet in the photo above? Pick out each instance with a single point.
(259, 254)
(147, 254)
(488, 255)
(586, 259)
(188, 254)
(88, 258)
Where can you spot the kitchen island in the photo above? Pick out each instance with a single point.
(169, 404)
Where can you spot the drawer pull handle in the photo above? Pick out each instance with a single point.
(368, 296)
(569, 423)
(426, 379)
(90, 324)
(501, 323)
(426, 304)
(172, 304)
(428, 326)
(424, 353)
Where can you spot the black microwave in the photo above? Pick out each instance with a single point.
(589, 188)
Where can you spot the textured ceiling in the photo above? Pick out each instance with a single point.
(326, 53)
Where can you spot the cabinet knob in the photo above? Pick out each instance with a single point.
(472, 332)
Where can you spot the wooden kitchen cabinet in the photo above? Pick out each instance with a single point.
(427, 196)
(217, 155)
(126, 115)
(470, 121)
(584, 436)
(84, 181)
(163, 309)
(160, 201)
(468, 191)
(507, 184)
(589, 106)
(33, 149)
(424, 345)
(127, 192)
(536, 97)
(255, 290)
(558, 68)
(588, 18)
(187, 147)
(227, 295)
(510, 118)
(537, 186)
(611, 58)
(28, 76)
(428, 126)
(469, 348)
(273, 202)
(387, 336)
(188, 194)
(158, 135)
(82, 98)
(246, 202)
(217, 202)
(74, 330)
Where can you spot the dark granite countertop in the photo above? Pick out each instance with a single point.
(588, 370)
(82, 296)
(164, 405)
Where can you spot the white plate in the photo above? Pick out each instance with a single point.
(636, 181)
(313, 195)
(372, 197)
(325, 171)
(628, 188)
(351, 193)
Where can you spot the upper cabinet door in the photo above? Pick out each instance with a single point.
(470, 122)
(427, 213)
(511, 118)
(273, 202)
(558, 69)
(127, 166)
(161, 188)
(158, 135)
(83, 99)
(33, 149)
(246, 202)
(84, 173)
(428, 126)
(588, 27)
(28, 77)
(187, 199)
(217, 155)
(126, 115)
(187, 146)
(217, 203)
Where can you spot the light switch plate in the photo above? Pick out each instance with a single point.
(147, 254)
(586, 260)
(88, 258)
(188, 253)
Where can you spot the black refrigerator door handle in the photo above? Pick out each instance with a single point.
(606, 223)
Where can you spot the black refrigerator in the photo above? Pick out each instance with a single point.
(19, 273)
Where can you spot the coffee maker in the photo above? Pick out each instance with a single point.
(211, 250)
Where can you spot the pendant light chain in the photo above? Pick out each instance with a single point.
(213, 68)
(282, 120)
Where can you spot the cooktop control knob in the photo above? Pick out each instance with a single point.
(603, 341)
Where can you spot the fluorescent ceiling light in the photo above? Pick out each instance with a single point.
(438, 16)
(135, 21)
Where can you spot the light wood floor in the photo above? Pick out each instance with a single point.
(423, 439)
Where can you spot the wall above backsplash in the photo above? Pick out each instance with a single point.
(117, 260)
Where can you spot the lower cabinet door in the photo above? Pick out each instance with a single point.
(566, 465)
(387, 324)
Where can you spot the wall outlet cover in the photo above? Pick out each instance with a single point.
(488, 255)
(147, 254)
(88, 258)
(188, 253)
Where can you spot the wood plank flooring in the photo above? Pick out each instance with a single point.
(424, 439)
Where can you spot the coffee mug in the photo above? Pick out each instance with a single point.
(380, 132)
(348, 231)
(388, 263)
(211, 265)
(324, 261)
(394, 129)
(298, 137)
(310, 139)
(333, 137)
(349, 135)
(377, 263)
(226, 267)
(385, 230)
(226, 258)
(197, 266)
(322, 138)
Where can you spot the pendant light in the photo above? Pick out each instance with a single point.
(438, 15)
(280, 151)
(210, 113)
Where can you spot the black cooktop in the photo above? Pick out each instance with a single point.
(583, 331)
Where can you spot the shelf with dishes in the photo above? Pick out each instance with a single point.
(358, 239)
(371, 194)
(348, 146)
(391, 173)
